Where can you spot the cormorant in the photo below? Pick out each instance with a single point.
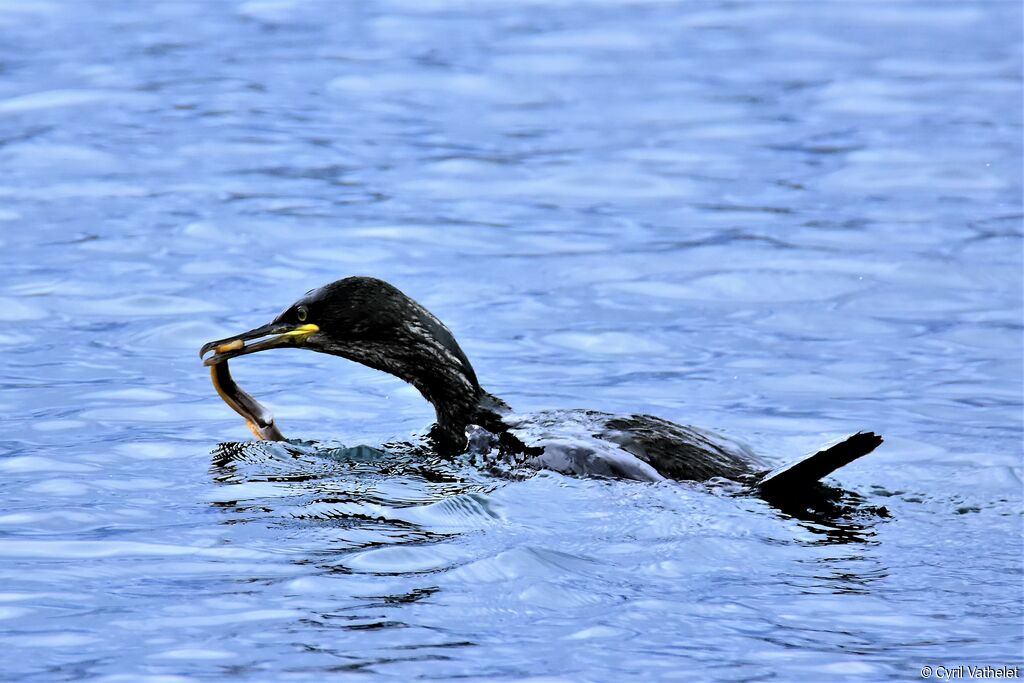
(371, 322)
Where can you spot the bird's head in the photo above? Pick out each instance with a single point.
(373, 323)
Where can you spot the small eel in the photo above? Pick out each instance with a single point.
(259, 419)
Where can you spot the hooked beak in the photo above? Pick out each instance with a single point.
(270, 336)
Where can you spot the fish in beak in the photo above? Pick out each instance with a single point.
(259, 420)
(271, 336)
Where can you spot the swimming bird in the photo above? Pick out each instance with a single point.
(371, 322)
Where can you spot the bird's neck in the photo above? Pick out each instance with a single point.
(424, 353)
(458, 402)
(432, 361)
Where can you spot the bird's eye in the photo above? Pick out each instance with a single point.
(301, 313)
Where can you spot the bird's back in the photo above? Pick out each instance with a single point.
(642, 447)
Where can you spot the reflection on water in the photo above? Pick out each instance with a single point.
(785, 222)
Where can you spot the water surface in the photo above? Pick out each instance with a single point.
(783, 221)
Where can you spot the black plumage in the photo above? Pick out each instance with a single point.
(373, 323)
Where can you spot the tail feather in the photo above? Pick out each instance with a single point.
(796, 477)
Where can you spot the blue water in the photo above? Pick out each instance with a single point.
(785, 221)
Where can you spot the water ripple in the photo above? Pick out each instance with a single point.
(783, 226)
